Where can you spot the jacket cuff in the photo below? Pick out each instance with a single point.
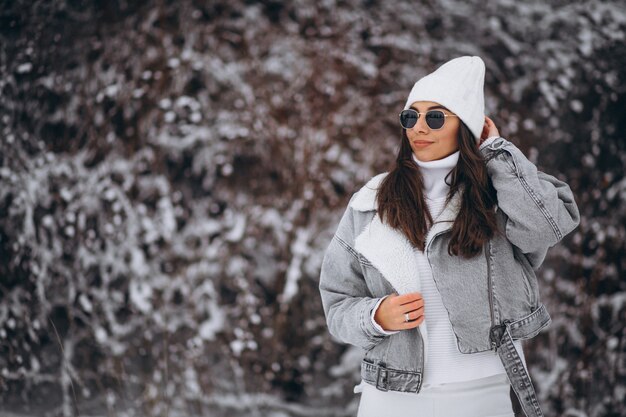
(377, 326)
(488, 141)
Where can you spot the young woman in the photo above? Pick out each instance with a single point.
(431, 269)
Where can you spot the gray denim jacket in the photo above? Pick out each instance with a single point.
(491, 299)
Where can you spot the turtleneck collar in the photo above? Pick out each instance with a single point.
(434, 173)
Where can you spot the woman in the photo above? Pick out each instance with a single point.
(431, 269)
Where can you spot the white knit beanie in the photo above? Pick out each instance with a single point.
(458, 85)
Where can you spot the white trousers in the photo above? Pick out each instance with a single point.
(483, 397)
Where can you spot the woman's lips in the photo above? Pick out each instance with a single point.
(421, 143)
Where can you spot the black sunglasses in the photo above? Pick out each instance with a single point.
(434, 118)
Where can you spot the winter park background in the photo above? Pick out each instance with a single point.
(171, 173)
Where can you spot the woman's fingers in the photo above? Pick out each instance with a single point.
(415, 319)
(407, 298)
(415, 314)
(486, 128)
(490, 127)
(415, 310)
(413, 305)
(484, 133)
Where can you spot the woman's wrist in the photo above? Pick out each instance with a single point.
(375, 323)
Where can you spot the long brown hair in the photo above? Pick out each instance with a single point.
(400, 198)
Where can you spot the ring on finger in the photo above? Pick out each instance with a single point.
(406, 317)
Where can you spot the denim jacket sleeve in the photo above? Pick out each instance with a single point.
(346, 299)
(540, 209)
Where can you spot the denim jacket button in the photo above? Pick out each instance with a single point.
(497, 143)
(514, 370)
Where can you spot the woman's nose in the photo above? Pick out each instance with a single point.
(420, 125)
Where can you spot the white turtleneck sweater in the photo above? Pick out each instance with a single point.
(444, 363)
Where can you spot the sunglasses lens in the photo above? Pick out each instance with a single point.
(435, 119)
(408, 118)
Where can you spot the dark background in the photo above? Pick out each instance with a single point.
(171, 173)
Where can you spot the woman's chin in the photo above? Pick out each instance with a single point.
(423, 154)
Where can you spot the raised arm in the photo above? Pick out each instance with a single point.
(540, 208)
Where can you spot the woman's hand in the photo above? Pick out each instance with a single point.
(390, 313)
(489, 129)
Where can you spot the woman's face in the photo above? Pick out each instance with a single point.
(440, 143)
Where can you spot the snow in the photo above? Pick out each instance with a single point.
(170, 181)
